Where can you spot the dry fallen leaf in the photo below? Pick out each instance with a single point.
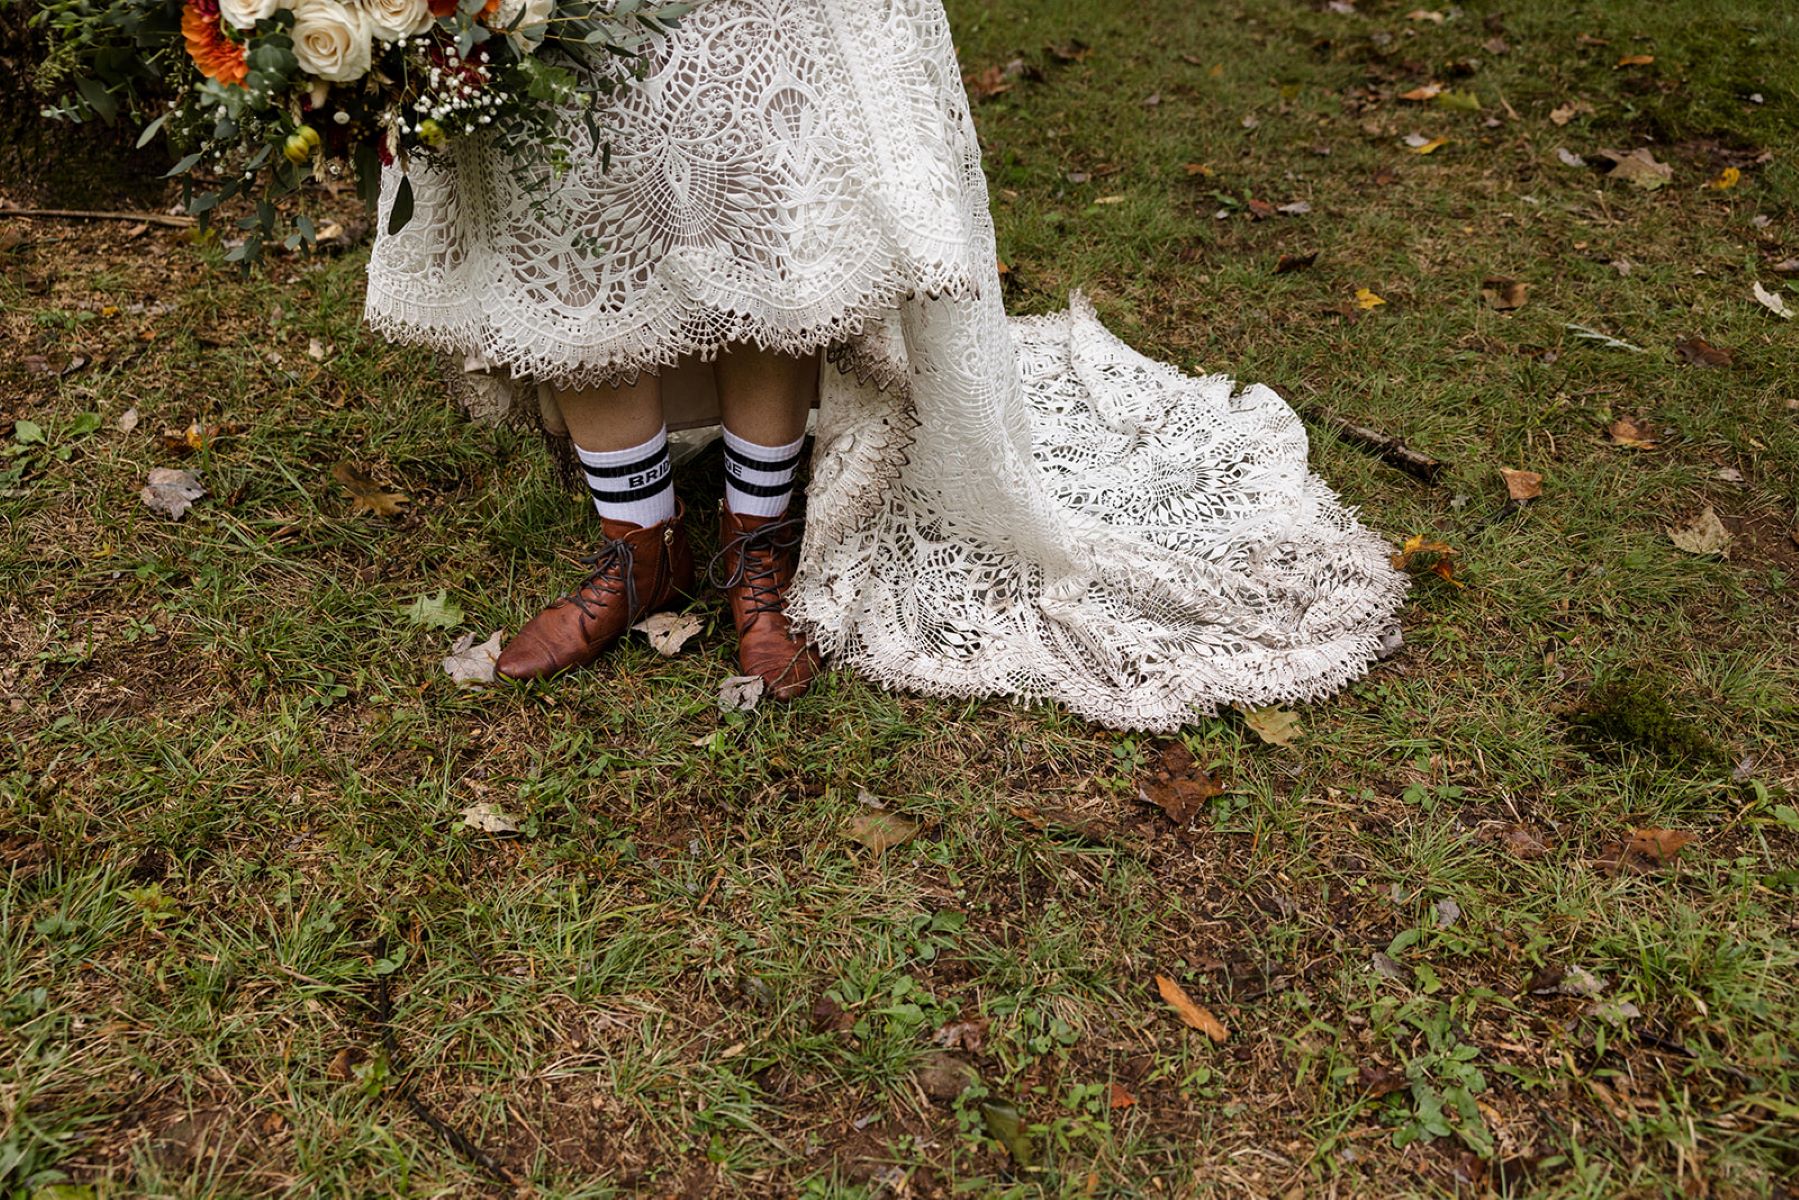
(1567, 112)
(1522, 485)
(1658, 846)
(1702, 533)
(1295, 262)
(1120, 1097)
(171, 492)
(1634, 60)
(668, 631)
(471, 663)
(1639, 167)
(1177, 785)
(1701, 353)
(1418, 95)
(1428, 147)
(1444, 565)
(1276, 726)
(1425, 14)
(488, 819)
(1772, 301)
(881, 830)
(128, 420)
(1726, 179)
(1191, 1014)
(1632, 432)
(741, 693)
(368, 495)
(1523, 842)
(1569, 158)
(1503, 295)
(1365, 299)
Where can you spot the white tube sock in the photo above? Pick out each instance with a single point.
(636, 484)
(759, 479)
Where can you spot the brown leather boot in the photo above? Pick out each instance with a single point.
(754, 566)
(638, 570)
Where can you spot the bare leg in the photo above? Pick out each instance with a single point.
(612, 418)
(644, 563)
(765, 396)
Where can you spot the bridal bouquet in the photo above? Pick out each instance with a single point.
(260, 95)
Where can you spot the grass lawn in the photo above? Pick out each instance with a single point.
(248, 945)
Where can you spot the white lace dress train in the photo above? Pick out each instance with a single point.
(1023, 507)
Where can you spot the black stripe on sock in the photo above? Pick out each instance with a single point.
(636, 468)
(762, 489)
(754, 464)
(666, 483)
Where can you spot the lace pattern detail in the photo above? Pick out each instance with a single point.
(1024, 507)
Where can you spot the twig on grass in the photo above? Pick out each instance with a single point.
(402, 1087)
(1389, 449)
(79, 214)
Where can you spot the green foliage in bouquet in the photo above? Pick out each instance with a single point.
(255, 97)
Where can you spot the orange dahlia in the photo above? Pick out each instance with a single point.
(217, 56)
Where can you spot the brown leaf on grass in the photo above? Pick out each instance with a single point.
(369, 495)
(1567, 112)
(962, 1035)
(1702, 534)
(1177, 785)
(1701, 353)
(881, 830)
(1425, 14)
(471, 663)
(1441, 554)
(1644, 851)
(1787, 266)
(171, 492)
(741, 693)
(1634, 60)
(1659, 845)
(1639, 167)
(1521, 485)
(1376, 1080)
(1633, 433)
(1120, 1097)
(1276, 726)
(1192, 1015)
(1295, 262)
(986, 84)
(195, 437)
(668, 631)
(1072, 51)
(1521, 841)
(1419, 95)
(488, 819)
(1503, 295)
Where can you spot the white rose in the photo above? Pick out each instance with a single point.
(391, 20)
(243, 14)
(526, 20)
(331, 40)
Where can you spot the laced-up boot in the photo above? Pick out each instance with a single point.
(639, 569)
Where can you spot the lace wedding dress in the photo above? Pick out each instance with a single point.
(998, 506)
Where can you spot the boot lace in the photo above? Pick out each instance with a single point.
(758, 559)
(613, 560)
